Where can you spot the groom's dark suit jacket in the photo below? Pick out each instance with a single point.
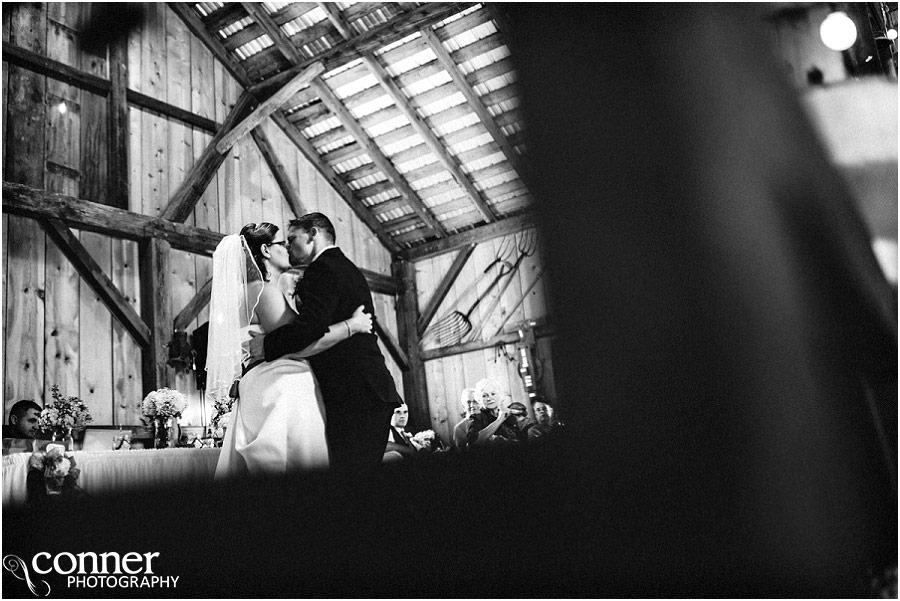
(352, 374)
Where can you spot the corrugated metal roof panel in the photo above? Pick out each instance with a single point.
(274, 7)
(470, 36)
(491, 159)
(345, 141)
(396, 44)
(497, 179)
(352, 164)
(305, 20)
(483, 60)
(373, 106)
(431, 180)
(455, 125)
(320, 127)
(472, 142)
(460, 15)
(443, 104)
(357, 86)
(417, 163)
(409, 63)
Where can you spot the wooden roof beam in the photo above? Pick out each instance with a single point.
(269, 106)
(94, 276)
(480, 234)
(288, 190)
(378, 157)
(204, 169)
(284, 45)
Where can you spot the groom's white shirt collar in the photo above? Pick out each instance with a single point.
(319, 254)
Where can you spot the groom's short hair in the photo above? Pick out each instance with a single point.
(314, 220)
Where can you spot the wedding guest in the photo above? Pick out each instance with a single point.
(544, 416)
(23, 420)
(471, 405)
(524, 424)
(493, 423)
(398, 445)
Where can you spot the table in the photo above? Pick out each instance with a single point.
(106, 472)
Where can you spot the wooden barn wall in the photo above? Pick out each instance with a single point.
(448, 376)
(56, 331)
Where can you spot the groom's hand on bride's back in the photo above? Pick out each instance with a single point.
(257, 346)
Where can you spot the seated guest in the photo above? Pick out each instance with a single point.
(492, 423)
(23, 420)
(543, 413)
(523, 423)
(398, 445)
(471, 405)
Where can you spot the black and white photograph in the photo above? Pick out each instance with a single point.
(424, 300)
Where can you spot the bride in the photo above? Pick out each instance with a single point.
(278, 422)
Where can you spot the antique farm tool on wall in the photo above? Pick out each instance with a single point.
(442, 327)
(519, 302)
(527, 247)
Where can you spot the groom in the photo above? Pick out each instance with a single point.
(357, 388)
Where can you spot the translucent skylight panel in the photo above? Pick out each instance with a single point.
(495, 83)
(485, 59)
(496, 180)
(373, 106)
(353, 163)
(401, 145)
(491, 159)
(320, 127)
(207, 8)
(356, 86)
(442, 105)
(455, 125)
(340, 143)
(416, 163)
(470, 143)
(431, 180)
(254, 47)
(428, 83)
(387, 125)
(230, 30)
(409, 63)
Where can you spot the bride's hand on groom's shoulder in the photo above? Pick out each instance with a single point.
(361, 322)
(257, 348)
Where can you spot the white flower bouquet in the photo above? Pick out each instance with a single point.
(57, 466)
(424, 440)
(164, 403)
(63, 413)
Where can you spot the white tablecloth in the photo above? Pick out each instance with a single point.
(108, 472)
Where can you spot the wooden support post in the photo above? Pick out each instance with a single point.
(194, 306)
(99, 282)
(191, 189)
(155, 297)
(269, 106)
(278, 171)
(117, 148)
(415, 384)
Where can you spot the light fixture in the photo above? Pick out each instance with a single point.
(891, 34)
(62, 108)
(838, 31)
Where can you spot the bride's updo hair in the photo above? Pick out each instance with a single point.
(256, 235)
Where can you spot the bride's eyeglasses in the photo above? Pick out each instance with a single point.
(278, 243)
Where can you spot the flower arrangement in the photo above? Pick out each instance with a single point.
(57, 466)
(164, 403)
(424, 440)
(63, 413)
(221, 419)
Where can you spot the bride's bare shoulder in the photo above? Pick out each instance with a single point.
(272, 309)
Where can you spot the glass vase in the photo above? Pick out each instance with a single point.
(165, 432)
(65, 438)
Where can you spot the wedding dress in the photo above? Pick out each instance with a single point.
(278, 421)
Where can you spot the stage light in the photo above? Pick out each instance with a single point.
(838, 31)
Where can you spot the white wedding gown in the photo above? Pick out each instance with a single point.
(278, 423)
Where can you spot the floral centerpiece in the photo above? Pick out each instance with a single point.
(221, 419)
(426, 441)
(57, 467)
(164, 407)
(62, 415)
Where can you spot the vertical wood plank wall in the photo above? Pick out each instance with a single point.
(56, 331)
(448, 376)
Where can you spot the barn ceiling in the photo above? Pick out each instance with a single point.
(416, 117)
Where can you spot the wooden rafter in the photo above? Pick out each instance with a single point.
(427, 134)
(268, 106)
(541, 331)
(99, 282)
(204, 169)
(392, 345)
(288, 190)
(193, 308)
(443, 288)
(94, 217)
(474, 236)
(337, 19)
(474, 100)
(378, 157)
